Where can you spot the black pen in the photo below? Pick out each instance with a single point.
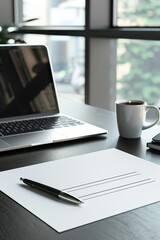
(53, 191)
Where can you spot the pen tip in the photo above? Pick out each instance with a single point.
(21, 178)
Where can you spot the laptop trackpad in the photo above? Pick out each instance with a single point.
(33, 139)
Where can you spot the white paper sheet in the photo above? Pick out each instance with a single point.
(110, 182)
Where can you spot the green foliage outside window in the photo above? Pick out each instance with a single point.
(142, 81)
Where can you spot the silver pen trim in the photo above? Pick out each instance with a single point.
(70, 198)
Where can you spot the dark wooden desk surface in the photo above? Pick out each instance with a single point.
(16, 223)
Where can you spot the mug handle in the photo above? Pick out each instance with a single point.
(148, 107)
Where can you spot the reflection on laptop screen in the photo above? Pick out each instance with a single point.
(26, 82)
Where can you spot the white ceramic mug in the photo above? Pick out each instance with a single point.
(131, 117)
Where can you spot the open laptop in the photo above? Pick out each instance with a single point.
(29, 110)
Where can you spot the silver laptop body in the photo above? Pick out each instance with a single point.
(27, 96)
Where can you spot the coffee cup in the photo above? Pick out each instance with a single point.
(131, 117)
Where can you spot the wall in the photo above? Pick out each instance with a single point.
(6, 12)
(103, 60)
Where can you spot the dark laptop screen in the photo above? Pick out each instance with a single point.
(26, 82)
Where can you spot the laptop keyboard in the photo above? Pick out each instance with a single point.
(17, 127)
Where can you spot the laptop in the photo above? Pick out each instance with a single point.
(29, 110)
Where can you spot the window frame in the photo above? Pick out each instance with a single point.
(105, 31)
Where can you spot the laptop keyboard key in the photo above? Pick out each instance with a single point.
(18, 127)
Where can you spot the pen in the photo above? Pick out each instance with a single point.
(52, 191)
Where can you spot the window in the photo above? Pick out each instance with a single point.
(67, 52)
(138, 13)
(112, 46)
(138, 72)
(55, 13)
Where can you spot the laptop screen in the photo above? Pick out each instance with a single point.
(26, 81)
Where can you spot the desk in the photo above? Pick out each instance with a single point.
(16, 223)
